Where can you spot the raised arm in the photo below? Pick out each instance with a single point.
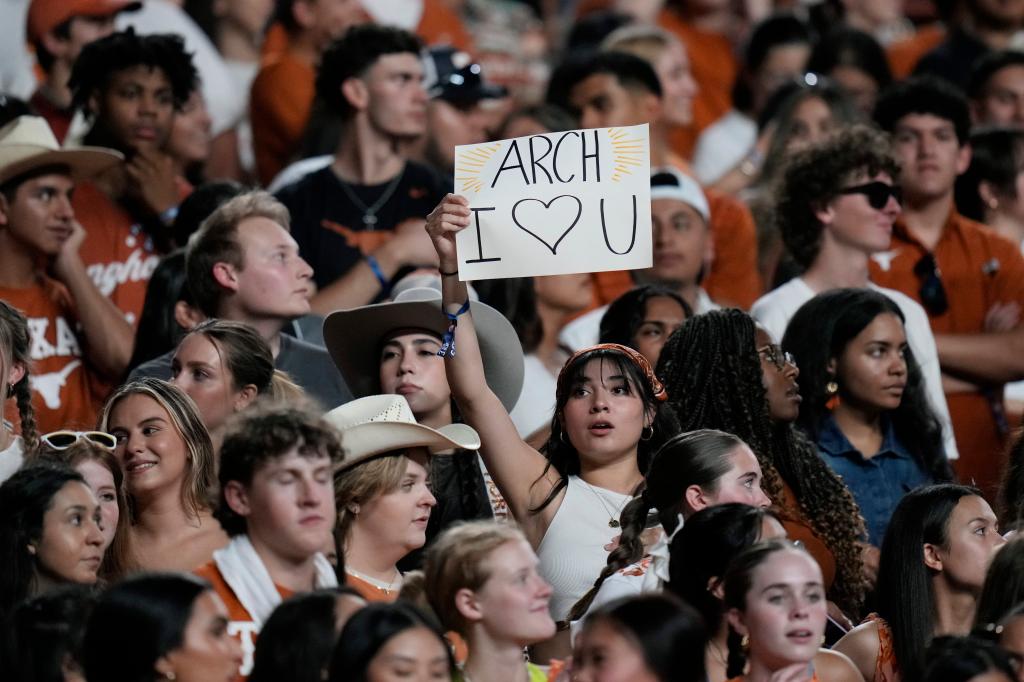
(515, 466)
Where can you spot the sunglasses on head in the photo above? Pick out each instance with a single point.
(932, 291)
(877, 192)
(62, 440)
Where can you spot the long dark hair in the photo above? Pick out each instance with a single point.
(962, 659)
(668, 632)
(136, 622)
(46, 634)
(905, 595)
(158, 331)
(625, 314)
(369, 629)
(712, 371)
(1004, 584)
(562, 454)
(24, 499)
(694, 458)
(703, 549)
(821, 330)
(1011, 489)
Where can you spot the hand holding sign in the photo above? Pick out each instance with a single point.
(444, 222)
(577, 201)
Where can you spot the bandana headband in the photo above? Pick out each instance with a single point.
(657, 388)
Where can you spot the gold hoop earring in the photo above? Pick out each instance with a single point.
(649, 430)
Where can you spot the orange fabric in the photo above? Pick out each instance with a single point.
(797, 528)
(118, 255)
(905, 54)
(714, 67)
(66, 392)
(966, 254)
(369, 591)
(240, 625)
(440, 25)
(887, 668)
(279, 105)
(274, 42)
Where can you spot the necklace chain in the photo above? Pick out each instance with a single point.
(379, 584)
(370, 212)
(613, 518)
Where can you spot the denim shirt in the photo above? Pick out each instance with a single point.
(877, 483)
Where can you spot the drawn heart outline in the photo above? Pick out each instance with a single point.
(547, 204)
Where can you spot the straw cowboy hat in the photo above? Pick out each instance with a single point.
(27, 143)
(378, 424)
(354, 338)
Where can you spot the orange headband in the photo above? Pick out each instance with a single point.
(639, 360)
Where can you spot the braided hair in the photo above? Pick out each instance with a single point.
(698, 458)
(14, 349)
(712, 371)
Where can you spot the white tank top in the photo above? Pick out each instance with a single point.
(572, 553)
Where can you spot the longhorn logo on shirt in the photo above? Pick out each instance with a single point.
(366, 241)
(138, 268)
(49, 385)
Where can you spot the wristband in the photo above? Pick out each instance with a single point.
(449, 274)
(448, 340)
(385, 283)
(169, 215)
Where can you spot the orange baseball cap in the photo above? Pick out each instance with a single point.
(46, 15)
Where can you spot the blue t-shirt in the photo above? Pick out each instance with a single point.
(878, 483)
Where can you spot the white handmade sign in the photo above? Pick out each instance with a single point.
(558, 203)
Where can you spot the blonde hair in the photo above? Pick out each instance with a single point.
(646, 42)
(284, 390)
(201, 475)
(361, 483)
(457, 560)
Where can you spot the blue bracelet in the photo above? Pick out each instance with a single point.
(385, 284)
(448, 340)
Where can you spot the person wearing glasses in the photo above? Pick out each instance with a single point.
(968, 278)
(91, 454)
(836, 206)
(723, 371)
(863, 400)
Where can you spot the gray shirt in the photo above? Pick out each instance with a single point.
(308, 366)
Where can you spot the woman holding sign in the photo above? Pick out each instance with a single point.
(609, 419)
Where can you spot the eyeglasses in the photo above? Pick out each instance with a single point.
(778, 357)
(62, 440)
(877, 192)
(932, 291)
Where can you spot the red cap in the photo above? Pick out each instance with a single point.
(46, 15)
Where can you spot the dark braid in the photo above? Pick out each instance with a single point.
(736, 661)
(15, 343)
(712, 372)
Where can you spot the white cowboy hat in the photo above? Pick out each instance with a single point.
(354, 338)
(27, 143)
(378, 424)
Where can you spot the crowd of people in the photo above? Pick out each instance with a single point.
(255, 426)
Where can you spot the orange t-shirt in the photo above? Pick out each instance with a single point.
(240, 624)
(979, 269)
(279, 105)
(797, 528)
(66, 391)
(440, 25)
(117, 253)
(369, 591)
(714, 67)
(904, 55)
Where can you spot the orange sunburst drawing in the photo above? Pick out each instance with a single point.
(626, 152)
(471, 164)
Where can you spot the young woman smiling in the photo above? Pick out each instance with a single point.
(169, 465)
(863, 400)
(608, 421)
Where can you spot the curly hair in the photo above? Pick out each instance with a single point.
(712, 371)
(102, 58)
(562, 454)
(821, 330)
(814, 176)
(15, 344)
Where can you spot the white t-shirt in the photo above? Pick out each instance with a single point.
(536, 404)
(776, 308)
(11, 459)
(722, 146)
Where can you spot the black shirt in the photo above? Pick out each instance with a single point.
(328, 225)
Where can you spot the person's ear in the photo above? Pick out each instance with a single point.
(735, 619)
(5, 209)
(303, 14)
(54, 44)
(356, 93)
(716, 588)
(963, 159)
(164, 668)
(225, 275)
(245, 396)
(467, 605)
(825, 214)
(988, 196)
(187, 316)
(695, 498)
(237, 498)
(15, 374)
(932, 556)
(652, 107)
(831, 367)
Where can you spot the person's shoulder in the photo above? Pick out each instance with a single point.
(861, 645)
(833, 666)
(426, 176)
(910, 307)
(775, 308)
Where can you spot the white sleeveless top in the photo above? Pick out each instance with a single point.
(572, 553)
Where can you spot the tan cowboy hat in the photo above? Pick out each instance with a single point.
(354, 338)
(377, 424)
(27, 143)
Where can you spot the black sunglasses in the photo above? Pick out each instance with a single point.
(877, 192)
(932, 291)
